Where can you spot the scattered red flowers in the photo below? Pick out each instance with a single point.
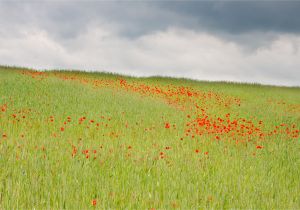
(199, 123)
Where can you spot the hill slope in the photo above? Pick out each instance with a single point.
(78, 140)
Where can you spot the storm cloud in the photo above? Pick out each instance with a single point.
(244, 41)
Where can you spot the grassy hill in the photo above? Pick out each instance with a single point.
(80, 140)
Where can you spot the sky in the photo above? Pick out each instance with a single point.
(242, 41)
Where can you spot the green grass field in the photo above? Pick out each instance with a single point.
(75, 140)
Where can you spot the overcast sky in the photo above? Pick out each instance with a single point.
(244, 41)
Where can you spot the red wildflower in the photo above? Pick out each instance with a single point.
(85, 151)
(167, 125)
(94, 202)
(259, 147)
(197, 151)
(122, 82)
(74, 151)
(62, 129)
(3, 108)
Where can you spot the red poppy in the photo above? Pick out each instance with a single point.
(167, 125)
(94, 202)
(259, 147)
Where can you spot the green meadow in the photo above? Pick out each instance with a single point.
(79, 140)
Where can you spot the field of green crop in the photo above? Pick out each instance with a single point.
(75, 140)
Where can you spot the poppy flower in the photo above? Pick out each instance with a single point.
(94, 202)
(167, 125)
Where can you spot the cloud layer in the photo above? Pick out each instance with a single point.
(61, 35)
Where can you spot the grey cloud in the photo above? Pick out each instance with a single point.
(66, 20)
(242, 16)
(135, 18)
